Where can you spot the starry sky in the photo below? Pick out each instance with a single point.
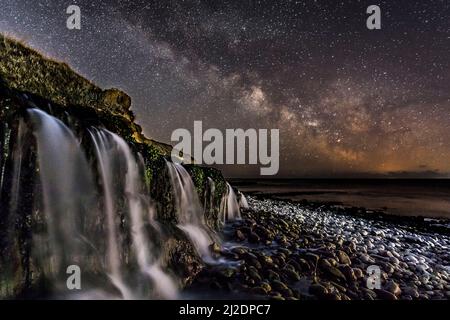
(349, 102)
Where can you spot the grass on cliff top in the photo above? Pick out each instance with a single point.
(24, 69)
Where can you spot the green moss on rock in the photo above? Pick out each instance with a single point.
(24, 69)
(29, 80)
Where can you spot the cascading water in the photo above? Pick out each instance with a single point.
(230, 206)
(88, 214)
(18, 160)
(5, 134)
(106, 155)
(75, 232)
(209, 194)
(243, 203)
(189, 209)
(110, 148)
(138, 209)
(68, 191)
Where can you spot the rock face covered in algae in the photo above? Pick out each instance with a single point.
(29, 80)
(26, 70)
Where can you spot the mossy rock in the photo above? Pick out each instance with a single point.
(29, 80)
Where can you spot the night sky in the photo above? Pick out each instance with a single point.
(348, 101)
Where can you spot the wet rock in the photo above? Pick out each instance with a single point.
(286, 293)
(318, 290)
(333, 272)
(215, 247)
(240, 235)
(368, 294)
(295, 265)
(393, 288)
(229, 254)
(304, 265)
(277, 297)
(385, 295)
(351, 246)
(345, 297)
(353, 295)
(266, 286)
(285, 251)
(227, 272)
(334, 296)
(349, 274)
(394, 260)
(239, 251)
(332, 261)
(282, 240)
(314, 258)
(366, 258)
(254, 238)
(338, 287)
(423, 296)
(358, 273)
(263, 233)
(253, 273)
(284, 224)
(272, 275)
(343, 258)
(291, 274)
(265, 260)
(258, 291)
(324, 264)
(279, 286)
(252, 260)
(389, 268)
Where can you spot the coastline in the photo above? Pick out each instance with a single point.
(429, 198)
(287, 250)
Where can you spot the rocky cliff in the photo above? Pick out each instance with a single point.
(29, 80)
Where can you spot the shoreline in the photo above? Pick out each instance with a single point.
(432, 224)
(428, 198)
(287, 250)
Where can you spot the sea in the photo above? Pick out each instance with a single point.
(429, 198)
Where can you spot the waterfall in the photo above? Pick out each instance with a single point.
(67, 187)
(243, 203)
(190, 212)
(209, 195)
(74, 224)
(17, 167)
(5, 135)
(98, 215)
(230, 206)
(111, 148)
(106, 155)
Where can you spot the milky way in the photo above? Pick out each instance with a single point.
(348, 101)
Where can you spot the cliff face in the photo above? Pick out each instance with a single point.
(26, 70)
(28, 80)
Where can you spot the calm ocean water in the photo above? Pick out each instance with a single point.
(429, 198)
